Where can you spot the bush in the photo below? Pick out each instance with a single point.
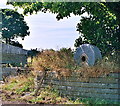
(54, 60)
(62, 61)
(17, 44)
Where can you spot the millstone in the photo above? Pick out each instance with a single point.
(87, 54)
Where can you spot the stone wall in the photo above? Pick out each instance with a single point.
(6, 48)
(104, 87)
(6, 71)
(13, 55)
(15, 59)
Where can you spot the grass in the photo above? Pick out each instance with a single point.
(97, 101)
(49, 96)
(20, 88)
(19, 84)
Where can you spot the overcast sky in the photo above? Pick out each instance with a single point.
(46, 32)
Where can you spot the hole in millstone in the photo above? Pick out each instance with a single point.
(83, 58)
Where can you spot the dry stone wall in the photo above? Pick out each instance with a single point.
(6, 71)
(6, 48)
(104, 87)
(12, 54)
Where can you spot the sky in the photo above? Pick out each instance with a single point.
(48, 33)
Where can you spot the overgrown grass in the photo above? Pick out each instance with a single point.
(19, 84)
(22, 88)
(50, 96)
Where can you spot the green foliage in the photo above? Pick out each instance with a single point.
(25, 88)
(33, 52)
(10, 86)
(96, 102)
(100, 28)
(13, 25)
(17, 44)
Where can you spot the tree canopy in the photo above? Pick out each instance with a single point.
(101, 27)
(13, 25)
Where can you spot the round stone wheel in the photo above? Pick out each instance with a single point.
(87, 54)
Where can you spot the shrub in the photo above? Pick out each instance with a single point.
(54, 60)
(62, 61)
